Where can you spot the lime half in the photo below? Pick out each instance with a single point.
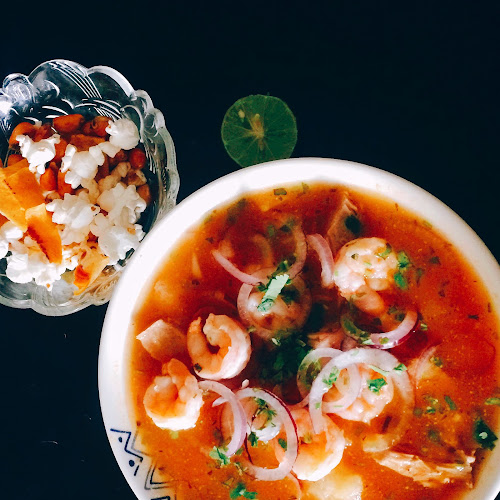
(259, 128)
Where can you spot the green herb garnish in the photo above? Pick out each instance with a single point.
(353, 224)
(451, 404)
(437, 361)
(280, 192)
(282, 443)
(219, 455)
(386, 252)
(492, 401)
(434, 435)
(253, 439)
(376, 384)
(362, 336)
(483, 435)
(241, 491)
(332, 378)
(273, 290)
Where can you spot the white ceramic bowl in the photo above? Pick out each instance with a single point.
(124, 437)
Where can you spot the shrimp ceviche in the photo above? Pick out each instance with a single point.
(312, 342)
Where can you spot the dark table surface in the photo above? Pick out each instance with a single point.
(413, 90)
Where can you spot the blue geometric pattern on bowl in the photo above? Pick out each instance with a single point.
(141, 465)
(60, 87)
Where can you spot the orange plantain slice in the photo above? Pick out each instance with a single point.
(26, 188)
(89, 269)
(10, 206)
(44, 232)
(12, 169)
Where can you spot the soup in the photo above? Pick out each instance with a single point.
(317, 343)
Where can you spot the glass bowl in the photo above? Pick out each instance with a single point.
(60, 87)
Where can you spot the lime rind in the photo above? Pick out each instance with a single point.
(259, 128)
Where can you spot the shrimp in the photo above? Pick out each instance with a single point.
(288, 312)
(174, 400)
(232, 340)
(362, 268)
(372, 399)
(319, 453)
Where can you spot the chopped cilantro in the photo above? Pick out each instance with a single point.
(386, 252)
(241, 491)
(252, 437)
(280, 192)
(305, 188)
(420, 272)
(417, 412)
(403, 265)
(353, 224)
(289, 294)
(423, 326)
(434, 260)
(273, 290)
(332, 378)
(282, 443)
(376, 384)
(400, 280)
(433, 404)
(400, 368)
(235, 210)
(197, 367)
(434, 435)
(263, 409)
(362, 336)
(492, 401)
(218, 454)
(271, 231)
(403, 260)
(437, 361)
(483, 435)
(281, 363)
(451, 404)
(384, 340)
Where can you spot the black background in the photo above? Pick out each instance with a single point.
(411, 88)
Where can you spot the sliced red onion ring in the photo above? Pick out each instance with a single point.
(239, 418)
(300, 251)
(382, 360)
(322, 248)
(395, 337)
(387, 340)
(348, 393)
(309, 358)
(233, 270)
(268, 431)
(292, 441)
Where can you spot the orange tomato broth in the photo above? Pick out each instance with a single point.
(451, 302)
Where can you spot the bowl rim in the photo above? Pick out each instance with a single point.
(113, 370)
